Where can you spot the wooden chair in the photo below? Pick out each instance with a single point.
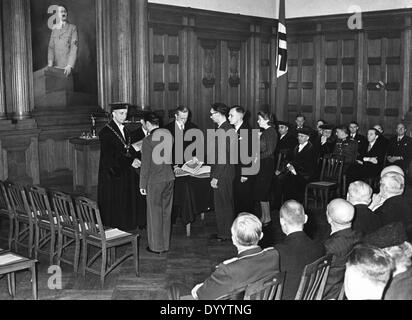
(330, 179)
(313, 281)
(281, 159)
(69, 231)
(24, 227)
(95, 235)
(6, 211)
(46, 223)
(269, 288)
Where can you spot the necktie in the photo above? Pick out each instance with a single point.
(369, 147)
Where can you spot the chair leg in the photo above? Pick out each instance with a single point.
(52, 246)
(11, 278)
(135, 245)
(10, 232)
(16, 235)
(36, 242)
(104, 264)
(84, 258)
(76, 255)
(60, 243)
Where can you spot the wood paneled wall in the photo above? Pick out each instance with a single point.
(199, 57)
(340, 75)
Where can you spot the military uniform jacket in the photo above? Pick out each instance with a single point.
(249, 266)
(348, 149)
(63, 46)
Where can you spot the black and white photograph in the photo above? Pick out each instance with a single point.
(176, 151)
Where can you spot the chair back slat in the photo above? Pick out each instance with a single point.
(64, 209)
(18, 200)
(268, 288)
(89, 216)
(4, 198)
(332, 168)
(313, 279)
(40, 205)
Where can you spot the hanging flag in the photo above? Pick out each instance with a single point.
(281, 62)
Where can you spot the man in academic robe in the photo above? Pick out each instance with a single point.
(243, 184)
(117, 179)
(300, 169)
(178, 128)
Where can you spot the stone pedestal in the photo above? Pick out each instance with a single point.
(53, 89)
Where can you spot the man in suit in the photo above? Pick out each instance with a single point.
(223, 172)
(178, 128)
(117, 179)
(340, 243)
(157, 183)
(63, 44)
(365, 221)
(297, 249)
(368, 270)
(300, 169)
(287, 141)
(400, 148)
(300, 123)
(251, 264)
(325, 143)
(395, 207)
(242, 184)
(356, 136)
(382, 140)
(370, 163)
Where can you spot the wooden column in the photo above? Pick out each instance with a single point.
(253, 76)
(124, 50)
(187, 66)
(21, 59)
(104, 70)
(142, 53)
(280, 113)
(2, 83)
(407, 52)
(319, 72)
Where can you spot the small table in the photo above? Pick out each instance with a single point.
(86, 165)
(192, 196)
(17, 263)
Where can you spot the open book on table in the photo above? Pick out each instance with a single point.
(194, 168)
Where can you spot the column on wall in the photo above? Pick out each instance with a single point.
(254, 69)
(2, 84)
(141, 34)
(104, 65)
(21, 64)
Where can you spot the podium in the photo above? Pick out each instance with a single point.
(86, 166)
(52, 88)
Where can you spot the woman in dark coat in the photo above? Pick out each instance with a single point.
(118, 183)
(263, 182)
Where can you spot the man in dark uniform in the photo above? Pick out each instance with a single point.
(178, 128)
(251, 264)
(355, 135)
(117, 181)
(223, 173)
(243, 184)
(345, 147)
(400, 149)
(300, 169)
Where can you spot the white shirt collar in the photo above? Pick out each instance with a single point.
(237, 127)
(282, 136)
(180, 125)
(301, 146)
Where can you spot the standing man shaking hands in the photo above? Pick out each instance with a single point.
(157, 183)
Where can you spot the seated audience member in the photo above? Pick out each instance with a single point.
(400, 148)
(367, 272)
(300, 123)
(325, 143)
(381, 138)
(395, 207)
(297, 249)
(178, 128)
(377, 198)
(340, 243)
(287, 141)
(319, 125)
(251, 264)
(300, 169)
(392, 239)
(345, 147)
(360, 139)
(365, 221)
(370, 163)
